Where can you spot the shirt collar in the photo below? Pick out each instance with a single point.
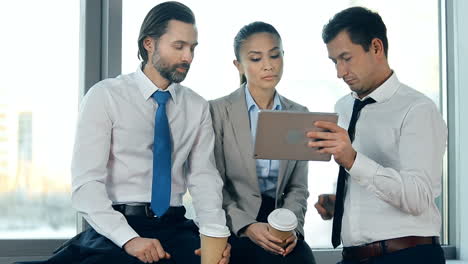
(148, 88)
(251, 102)
(384, 92)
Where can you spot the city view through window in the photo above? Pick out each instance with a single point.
(38, 109)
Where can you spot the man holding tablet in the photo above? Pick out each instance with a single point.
(390, 157)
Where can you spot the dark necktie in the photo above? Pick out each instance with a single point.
(342, 175)
(161, 189)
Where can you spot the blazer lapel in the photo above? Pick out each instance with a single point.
(241, 127)
(284, 164)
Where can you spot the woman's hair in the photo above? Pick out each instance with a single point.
(248, 30)
(155, 23)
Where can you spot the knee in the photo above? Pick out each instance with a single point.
(301, 254)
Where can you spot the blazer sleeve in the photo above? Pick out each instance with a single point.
(296, 191)
(236, 219)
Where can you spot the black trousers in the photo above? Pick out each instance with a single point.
(244, 251)
(427, 254)
(177, 235)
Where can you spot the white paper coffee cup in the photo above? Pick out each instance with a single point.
(283, 222)
(213, 239)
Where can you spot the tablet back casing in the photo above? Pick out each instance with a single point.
(281, 135)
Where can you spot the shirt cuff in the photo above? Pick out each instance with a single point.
(123, 234)
(363, 170)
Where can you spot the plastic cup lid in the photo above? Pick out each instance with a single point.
(282, 219)
(215, 230)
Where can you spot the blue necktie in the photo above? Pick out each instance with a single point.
(161, 189)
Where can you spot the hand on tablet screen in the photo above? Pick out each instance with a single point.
(335, 142)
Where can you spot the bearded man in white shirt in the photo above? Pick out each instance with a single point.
(113, 160)
(389, 143)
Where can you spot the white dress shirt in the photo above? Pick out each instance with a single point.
(113, 158)
(400, 142)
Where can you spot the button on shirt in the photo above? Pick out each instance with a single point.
(113, 157)
(394, 181)
(267, 170)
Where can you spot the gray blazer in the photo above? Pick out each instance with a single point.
(235, 162)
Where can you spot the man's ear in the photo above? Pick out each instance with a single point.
(377, 47)
(148, 44)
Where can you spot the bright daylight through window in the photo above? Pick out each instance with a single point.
(38, 108)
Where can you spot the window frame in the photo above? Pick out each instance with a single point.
(456, 107)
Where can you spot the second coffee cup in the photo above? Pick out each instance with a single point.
(283, 222)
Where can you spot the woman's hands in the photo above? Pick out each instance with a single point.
(260, 235)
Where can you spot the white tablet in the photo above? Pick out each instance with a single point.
(281, 135)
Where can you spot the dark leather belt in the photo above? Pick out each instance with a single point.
(379, 248)
(144, 209)
(134, 210)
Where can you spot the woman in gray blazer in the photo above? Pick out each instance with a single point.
(254, 188)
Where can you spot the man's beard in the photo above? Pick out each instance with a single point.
(168, 71)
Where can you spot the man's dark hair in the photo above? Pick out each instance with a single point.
(248, 30)
(362, 25)
(156, 21)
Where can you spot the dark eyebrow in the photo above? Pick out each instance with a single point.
(254, 52)
(275, 48)
(185, 43)
(341, 55)
(258, 52)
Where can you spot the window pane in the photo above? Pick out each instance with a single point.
(38, 108)
(309, 76)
